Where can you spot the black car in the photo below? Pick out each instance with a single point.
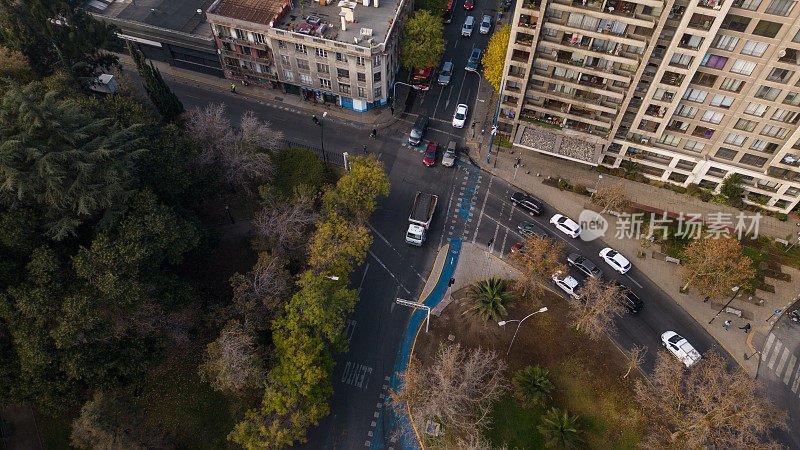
(528, 202)
(532, 229)
(418, 131)
(631, 301)
(584, 265)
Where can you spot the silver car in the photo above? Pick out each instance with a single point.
(449, 157)
(486, 24)
(446, 73)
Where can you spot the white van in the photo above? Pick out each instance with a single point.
(466, 29)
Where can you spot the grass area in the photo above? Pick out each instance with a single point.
(295, 167)
(515, 426)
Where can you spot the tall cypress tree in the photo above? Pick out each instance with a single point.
(167, 103)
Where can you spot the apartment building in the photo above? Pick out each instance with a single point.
(345, 54)
(683, 91)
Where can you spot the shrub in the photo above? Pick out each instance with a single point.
(532, 385)
(694, 189)
(489, 298)
(563, 185)
(298, 168)
(580, 189)
(782, 217)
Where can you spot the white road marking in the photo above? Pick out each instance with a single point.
(768, 345)
(387, 269)
(634, 281)
(776, 351)
(366, 268)
(789, 369)
(784, 357)
(483, 207)
(394, 250)
(796, 383)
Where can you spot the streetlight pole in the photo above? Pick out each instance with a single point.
(503, 322)
(322, 137)
(735, 293)
(494, 123)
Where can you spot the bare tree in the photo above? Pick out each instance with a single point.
(285, 225)
(635, 358)
(611, 197)
(239, 153)
(594, 312)
(706, 406)
(538, 259)
(259, 295)
(457, 391)
(715, 265)
(231, 362)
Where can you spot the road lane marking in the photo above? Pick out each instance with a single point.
(777, 350)
(796, 383)
(483, 207)
(784, 357)
(768, 345)
(366, 268)
(789, 369)
(387, 269)
(394, 250)
(634, 281)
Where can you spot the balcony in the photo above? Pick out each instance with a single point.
(574, 40)
(672, 78)
(526, 21)
(701, 22)
(532, 4)
(520, 56)
(619, 8)
(656, 111)
(593, 4)
(703, 132)
(791, 56)
(711, 4)
(524, 39)
(648, 126)
(791, 160)
(690, 42)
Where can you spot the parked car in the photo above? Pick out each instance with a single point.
(630, 300)
(446, 73)
(474, 60)
(532, 229)
(680, 347)
(519, 247)
(529, 202)
(466, 29)
(566, 225)
(429, 158)
(460, 115)
(584, 265)
(615, 259)
(449, 157)
(567, 284)
(486, 24)
(469, 4)
(418, 130)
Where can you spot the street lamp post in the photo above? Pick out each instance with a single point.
(494, 123)
(322, 137)
(503, 322)
(735, 293)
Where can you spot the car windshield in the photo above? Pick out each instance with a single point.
(446, 72)
(459, 116)
(430, 155)
(562, 219)
(612, 253)
(414, 235)
(675, 339)
(415, 133)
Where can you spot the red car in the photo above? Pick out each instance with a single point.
(469, 4)
(430, 154)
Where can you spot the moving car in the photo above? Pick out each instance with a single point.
(525, 201)
(680, 347)
(474, 60)
(631, 300)
(532, 229)
(418, 131)
(449, 157)
(615, 260)
(486, 24)
(584, 265)
(466, 29)
(429, 158)
(469, 4)
(446, 73)
(567, 284)
(460, 116)
(566, 225)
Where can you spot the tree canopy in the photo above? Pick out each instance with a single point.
(421, 41)
(495, 58)
(714, 266)
(160, 94)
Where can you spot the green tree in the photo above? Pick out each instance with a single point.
(71, 165)
(338, 246)
(110, 421)
(489, 298)
(732, 188)
(421, 41)
(231, 363)
(532, 385)
(495, 58)
(560, 429)
(14, 65)
(165, 101)
(355, 194)
(322, 305)
(73, 44)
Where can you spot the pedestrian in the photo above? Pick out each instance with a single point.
(233, 87)
(365, 149)
(391, 108)
(706, 299)
(491, 241)
(746, 328)
(314, 118)
(726, 325)
(373, 134)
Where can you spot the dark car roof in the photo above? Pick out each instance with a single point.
(476, 52)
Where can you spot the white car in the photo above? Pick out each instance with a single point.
(615, 259)
(567, 284)
(460, 116)
(680, 347)
(566, 225)
(486, 24)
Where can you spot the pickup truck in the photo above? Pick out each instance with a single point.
(420, 218)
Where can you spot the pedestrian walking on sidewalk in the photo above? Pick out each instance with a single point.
(373, 134)
(391, 108)
(233, 87)
(726, 325)
(746, 328)
(491, 241)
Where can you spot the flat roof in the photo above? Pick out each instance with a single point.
(378, 19)
(256, 11)
(176, 15)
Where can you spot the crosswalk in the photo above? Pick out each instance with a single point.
(780, 360)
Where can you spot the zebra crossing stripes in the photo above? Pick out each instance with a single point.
(781, 362)
(356, 375)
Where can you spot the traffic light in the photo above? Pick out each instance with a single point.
(473, 126)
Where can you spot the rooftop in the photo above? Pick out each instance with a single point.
(256, 11)
(176, 15)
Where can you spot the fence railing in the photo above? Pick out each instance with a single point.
(328, 156)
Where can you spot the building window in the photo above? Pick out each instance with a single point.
(792, 98)
(767, 93)
(726, 153)
(743, 67)
(780, 75)
(288, 75)
(780, 7)
(722, 101)
(725, 42)
(300, 48)
(344, 88)
(714, 61)
(376, 77)
(663, 95)
(260, 38)
(735, 23)
(796, 37)
(324, 83)
(695, 95)
(343, 73)
(752, 160)
(362, 92)
(705, 79)
(745, 125)
(378, 92)
(731, 84)
(694, 146)
(376, 61)
(323, 68)
(669, 139)
(281, 44)
(362, 77)
(703, 132)
(341, 57)
(712, 117)
(735, 139)
(774, 131)
(767, 29)
(758, 145)
(782, 115)
(302, 64)
(305, 78)
(751, 5)
(359, 60)
(285, 60)
(754, 48)
(321, 52)
(756, 109)
(679, 59)
(686, 111)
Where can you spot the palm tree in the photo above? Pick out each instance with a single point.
(489, 299)
(560, 429)
(532, 385)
